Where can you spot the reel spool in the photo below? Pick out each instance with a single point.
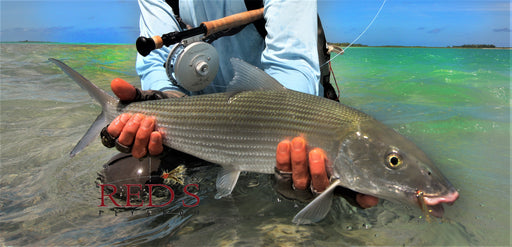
(192, 66)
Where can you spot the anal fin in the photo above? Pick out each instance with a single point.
(226, 181)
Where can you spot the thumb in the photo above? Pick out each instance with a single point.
(123, 90)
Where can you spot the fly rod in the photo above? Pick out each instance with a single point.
(145, 44)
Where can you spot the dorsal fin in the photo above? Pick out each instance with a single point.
(248, 77)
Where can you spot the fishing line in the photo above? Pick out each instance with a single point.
(335, 82)
(360, 35)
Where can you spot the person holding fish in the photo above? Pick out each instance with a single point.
(286, 49)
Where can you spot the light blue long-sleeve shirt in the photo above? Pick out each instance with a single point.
(288, 53)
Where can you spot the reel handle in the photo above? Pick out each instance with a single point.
(145, 45)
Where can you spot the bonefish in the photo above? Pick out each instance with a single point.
(240, 129)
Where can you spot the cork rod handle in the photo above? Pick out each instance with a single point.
(232, 21)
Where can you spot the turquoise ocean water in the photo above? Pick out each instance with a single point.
(454, 103)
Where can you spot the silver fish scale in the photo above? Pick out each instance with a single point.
(243, 129)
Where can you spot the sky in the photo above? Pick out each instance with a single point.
(438, 23)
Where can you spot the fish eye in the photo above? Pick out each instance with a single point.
(393, 160)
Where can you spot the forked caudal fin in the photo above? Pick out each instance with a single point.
(99, 95)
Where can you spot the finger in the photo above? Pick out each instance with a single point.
(130, 130)
(300, 173)
(123, 90)
(141, 141)
(366, 201)
(283, 156)
(319, 178)
(155, 145)
(116, 126)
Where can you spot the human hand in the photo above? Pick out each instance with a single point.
(135, 133)
(306, 169)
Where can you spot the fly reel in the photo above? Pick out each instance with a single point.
(192, 66)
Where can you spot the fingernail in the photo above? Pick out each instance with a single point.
(300, 184)
(315, 156)
(152, 139)
(298, 144)
(283, 148)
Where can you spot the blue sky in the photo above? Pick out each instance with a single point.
(401, 22)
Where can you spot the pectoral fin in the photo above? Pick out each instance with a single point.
(318, 208)
(226, 181)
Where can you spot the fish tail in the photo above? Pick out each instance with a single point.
(99, 95)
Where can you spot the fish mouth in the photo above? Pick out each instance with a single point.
(434, 204)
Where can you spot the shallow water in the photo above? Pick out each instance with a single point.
(454, 103)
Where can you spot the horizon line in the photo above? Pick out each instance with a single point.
(353, 46)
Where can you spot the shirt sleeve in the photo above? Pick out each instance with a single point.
(156, 18)
(290, 55)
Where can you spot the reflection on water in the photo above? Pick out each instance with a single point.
(453, 103)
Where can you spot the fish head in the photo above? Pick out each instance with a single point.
(375, 160)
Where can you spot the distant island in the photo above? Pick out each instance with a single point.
(469, 46)
(474, 46)
(345, 44)
(32, 41)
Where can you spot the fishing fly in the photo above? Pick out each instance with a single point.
(176, 176)
(423, 205)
